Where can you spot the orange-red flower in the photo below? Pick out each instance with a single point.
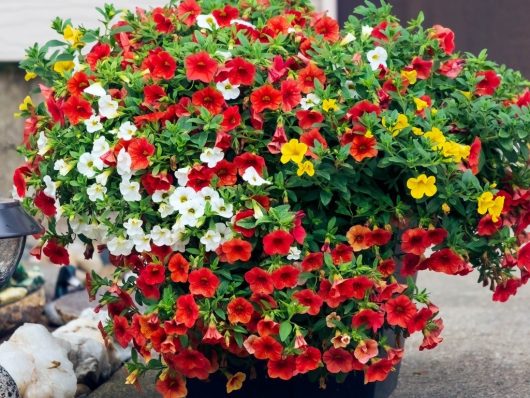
(327, 27)
(240, 71)
(415, 241)
(307, 76)
(291, 95)
(203, 282)
(285, 277)
(121, 330)
(140, 150)
(489, 81)
(191, 363)
(236, 250)
(239, 310)
(225, 15)
(308, 360)
(172, 386)
(200, 66)
(368, 318)
(277, 242)
(209, 98)
(284, 368)
(259, 280)
(363, 147)
(313, 262)
(188, 11)
(160, 64)
(399, 311)
(359, 237)
(77, 109)
(378, 371)
(309, 299)
(187, 310)
(266, 97)
(366, 350)
(179, 268)
(267, 347)
(338, 360)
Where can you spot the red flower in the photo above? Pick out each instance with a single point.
(523, 257)
(242, 215)
(77, 109)
(431, 335)
(399, 311)
(285, 277)
(204, 282)
(259, 280)
(98, 52)
(239, 310)
(56, 253)
(172, 386)
(199, 177)
(140, 150)
(488, 83)
(283, 369)
(445, 37)
(277, 242)
(379, 237)
(187, 310)
(523, 99)
(161, 64)
(225, 15)
(368, 318)
(307, 76)
(504, 290)
(436, 235)
(265, 97)
(179, 268)
(363, 147)
(308, 360)
(153, 94)
(327, 27)
(307, 119)
(355, 287)
(240, 71)
(419, 320)
(191, 363)
(291, 95)
(452, 68)
(310, 299)
(422, 67)
(486, 226)
(313, 262)
(360, 108)
(474, 155)
(246, 160)
(236, 250)
(153, 274)
(163, 24)
(188, 11)
(338, 360)
(45, 204)
(209, 98)
(342, 254)
(277, 25)
(446, 261)
(415, 241)
(200, 67)
(122, 333)
(279, 68)
(378, 371)
(410, 264)
(366, 350)
(77, 83)
(310, 138)
(226, 172)
(151, 292)
(231, 118)
(266, 347)
(159, 182)
(266, 327)
(387, 267)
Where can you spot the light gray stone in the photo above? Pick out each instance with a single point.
(8, 387)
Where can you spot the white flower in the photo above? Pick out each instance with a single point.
(62, 167)
(181, 197)
(179, 241)
(160, 196)
(207, 21)
(119, 246)
(77, 65)
(348, 39)
(366, 32)
(126, 131)
(51, 186)
(226, 55)
(88, 164)
(222, 209)
(377, 57)
(182, 175)
(211, 240)
(350, 87)
(42, 144)
(161, 236)
(294, 253)
(242, 22)
(96, 231)
(100, 147)
(123, 163)
(133, 226)
(212, 156)
(142, 243)
(96, 90)
(224, 231)
(108, 107)
(102, 178)
(208, 194)
(310, 101)
(96, 192)
(130, 190)
(165, 209)
(193, 211)
(253, 178)
(230, 91)
(93, 124)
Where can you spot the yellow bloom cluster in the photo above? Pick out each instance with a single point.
(295, 151)
(449, 149)
(422, 186)
(487, 204)
(73, 36)
(402, 122)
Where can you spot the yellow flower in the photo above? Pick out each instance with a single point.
(485, 201)
(26, 104)
(306, 167)
(436, 136)
(235, 382)
(422, 186)
(434, 111)
(63, 66)
(402, 122)
(29, 76)
(293, 150)
(368, 134)
(451, 149)
(417, 131)
(486, 204)
(73, 36)
(466, 94)
(496, 209)
(445, 208)
(420, 104)
(132, 378)
(410, 75)
(330, 105)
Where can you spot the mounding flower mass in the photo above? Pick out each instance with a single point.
(268, 185)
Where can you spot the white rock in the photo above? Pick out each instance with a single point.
(38, 363)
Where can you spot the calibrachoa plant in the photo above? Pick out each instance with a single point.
(265, 183)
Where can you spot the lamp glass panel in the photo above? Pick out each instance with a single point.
(10, 250)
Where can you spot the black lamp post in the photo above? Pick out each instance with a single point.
(15, 225)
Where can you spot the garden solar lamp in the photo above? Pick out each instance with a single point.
(15, 226)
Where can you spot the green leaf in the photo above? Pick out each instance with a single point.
(325, 197)
(285, 330)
